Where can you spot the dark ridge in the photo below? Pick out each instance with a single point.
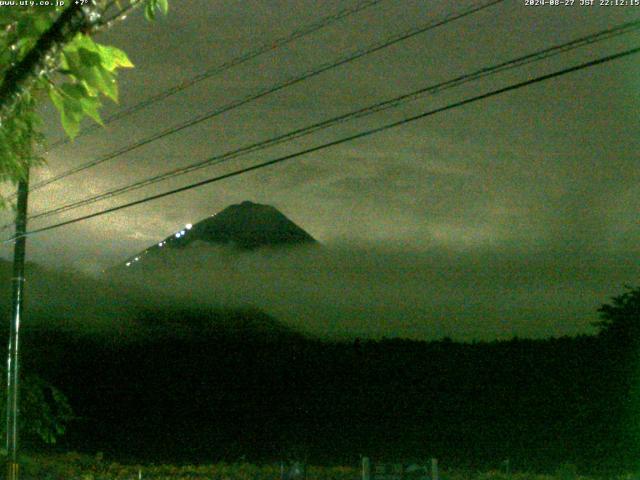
(244, 226)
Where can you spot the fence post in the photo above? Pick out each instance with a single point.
(434, 469)
(366, 468)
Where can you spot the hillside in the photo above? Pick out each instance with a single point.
(245, 226)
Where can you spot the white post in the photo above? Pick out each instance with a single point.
(434, 469)
(366, 468)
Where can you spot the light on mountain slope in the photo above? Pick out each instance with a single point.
(244, 226)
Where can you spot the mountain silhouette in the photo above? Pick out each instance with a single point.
(244, 226)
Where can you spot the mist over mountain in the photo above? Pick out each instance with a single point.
(246, 226)
(333, 291)
(211, 351)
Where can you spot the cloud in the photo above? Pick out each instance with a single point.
(549, 168)
(343, 291)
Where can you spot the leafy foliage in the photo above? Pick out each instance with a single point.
(20, 29)
(91, 69)
(16, 139)
(84, 73)
(19, 32)
(621, 318)
(44, 410)
(153, 5)
(87, 71)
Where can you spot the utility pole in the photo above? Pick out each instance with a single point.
(14, 329)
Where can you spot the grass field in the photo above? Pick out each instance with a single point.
(73, 466)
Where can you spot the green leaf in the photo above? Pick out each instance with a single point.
(42, 23)
(91, 107)
(90, 58)
(74, 90)
(150, 11)
(93, 65)
(113, 58)
(109, 84)
(56, 98)
(83, 41)
(90, 104)
(91, 79)
(71, 61)
(152, 5)
(164, 6)
(71, 116)
(95, 78)
(69, 123)
(70, 108)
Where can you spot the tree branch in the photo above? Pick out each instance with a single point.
(21, 78)
(117, 17)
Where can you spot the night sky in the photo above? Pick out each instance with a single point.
(514, 215)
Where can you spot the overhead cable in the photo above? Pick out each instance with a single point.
(340, 141)
(240, 59)
(267, 91)
(360, 113)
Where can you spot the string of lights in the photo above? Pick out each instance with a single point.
(392, 40)
(363, 134)
(360, 113)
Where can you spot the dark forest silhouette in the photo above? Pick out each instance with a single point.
(232, 391)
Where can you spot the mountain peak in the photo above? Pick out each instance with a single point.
(249, 225)
(245, 226)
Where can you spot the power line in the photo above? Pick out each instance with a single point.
(363, 134)
(234, 62)
(375, 108)
(263, 93)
